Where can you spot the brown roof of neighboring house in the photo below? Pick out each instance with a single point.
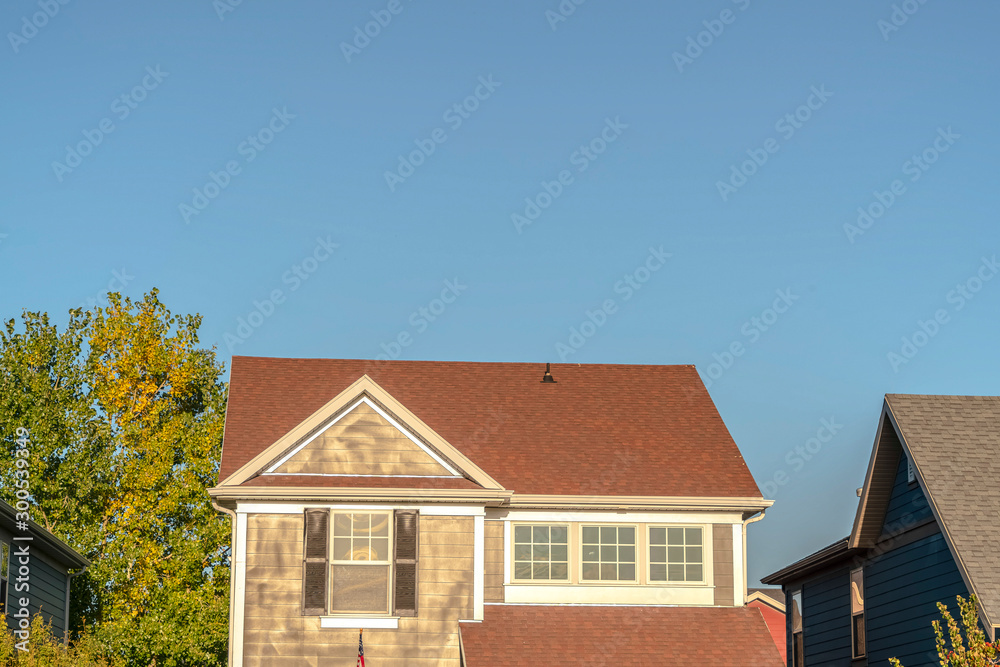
(514, 635)
(954, 442)
(600, 429)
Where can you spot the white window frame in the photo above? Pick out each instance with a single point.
(569, 554)
(390, 563)
(704, 555)
(639, 546)
(796, 596)
(855, 614)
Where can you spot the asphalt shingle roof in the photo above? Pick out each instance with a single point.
(601, 429)
(514, 635)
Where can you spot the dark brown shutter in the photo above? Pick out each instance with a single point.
(315, 568)
(405, 565)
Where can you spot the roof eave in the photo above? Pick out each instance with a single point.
(62, 551)
(703, 503)
(818, 560)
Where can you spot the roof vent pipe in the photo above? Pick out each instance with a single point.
(548, 374)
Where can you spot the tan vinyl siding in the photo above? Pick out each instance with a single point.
(722, 563)
(277, 635)
(493, 570)
(362, 443)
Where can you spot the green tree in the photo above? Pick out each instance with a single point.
(973, 651)
(126, 414)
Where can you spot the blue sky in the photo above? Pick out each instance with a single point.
(228, 153)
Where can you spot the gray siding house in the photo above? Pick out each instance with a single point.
(924, 533)
(36, 567)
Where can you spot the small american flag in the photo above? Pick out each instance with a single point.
(361, 649)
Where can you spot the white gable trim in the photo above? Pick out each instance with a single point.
(384, 415)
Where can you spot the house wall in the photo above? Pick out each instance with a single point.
(907, 504)
(902, 587)
(907, 572)
(722, 561)
(46, 586)
(826, 619)
(493, 584)
(277, 635)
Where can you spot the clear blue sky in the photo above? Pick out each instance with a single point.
(309, 132)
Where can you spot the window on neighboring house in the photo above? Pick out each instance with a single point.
(4, 575)
(608, 553)
(362, 565)
(676, 554)
(858, 612)
(911, 476)
(798, 653)
(541, 553)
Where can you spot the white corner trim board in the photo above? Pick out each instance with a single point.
(479, 567)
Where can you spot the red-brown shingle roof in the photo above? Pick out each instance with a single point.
(601, 429)
(513, 635)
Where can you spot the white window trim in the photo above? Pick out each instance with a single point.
(360, 622)
(331, 561)
(705, 529)
(569, 555)
(639, 547)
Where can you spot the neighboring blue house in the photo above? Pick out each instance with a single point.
(925, 531)
(51, 565)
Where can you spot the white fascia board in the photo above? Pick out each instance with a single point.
(495, 514)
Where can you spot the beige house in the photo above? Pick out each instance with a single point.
(484, 514)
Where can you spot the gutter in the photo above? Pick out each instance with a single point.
(751, 519)
(69, 581)
(232, 579)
